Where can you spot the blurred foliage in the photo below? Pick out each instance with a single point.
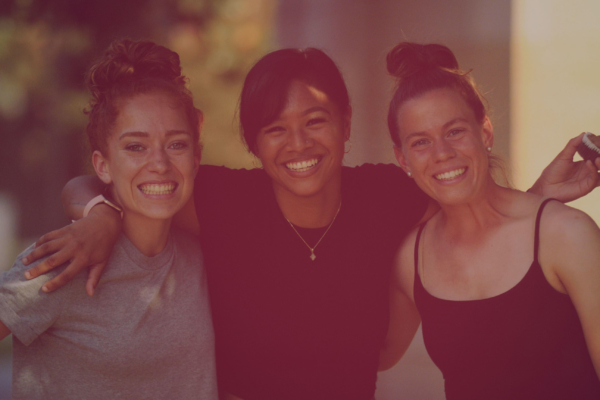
(46, 47)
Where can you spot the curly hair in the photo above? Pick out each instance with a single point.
(129, 68)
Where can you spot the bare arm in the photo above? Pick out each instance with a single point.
(88, 242)
(572, 250)
(78, 192)
(404, 317)
(566, 180)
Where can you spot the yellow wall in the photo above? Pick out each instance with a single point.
(555, 84)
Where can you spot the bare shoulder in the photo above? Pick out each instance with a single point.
(561, 222)
(404, 271)
(569, 244)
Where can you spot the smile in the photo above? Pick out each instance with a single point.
(446, 176)
(302, 166)
(158, 188)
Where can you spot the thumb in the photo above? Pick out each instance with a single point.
(571, 148)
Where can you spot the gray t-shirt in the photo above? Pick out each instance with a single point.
(145, 334)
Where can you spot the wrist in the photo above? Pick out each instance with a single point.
(106, 216)
(537, 188)
(101, 200)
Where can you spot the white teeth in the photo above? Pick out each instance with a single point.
(158, 188)
(446, 176)
(302, 166)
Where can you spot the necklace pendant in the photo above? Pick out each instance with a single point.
(312, 255)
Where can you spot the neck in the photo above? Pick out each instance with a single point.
(483, 212)
(148, 235)
(311, 211)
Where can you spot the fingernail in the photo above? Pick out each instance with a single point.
(28, 275)
(25, 260)
(45, 288)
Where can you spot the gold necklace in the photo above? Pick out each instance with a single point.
(312, 249)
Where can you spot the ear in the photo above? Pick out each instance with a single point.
(487, 133)
(101, 167)
(347, 119)
(401, 158)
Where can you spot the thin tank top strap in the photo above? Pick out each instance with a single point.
(417, 249)
(536, 242)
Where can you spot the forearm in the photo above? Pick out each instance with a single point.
(404, 322)
(78, 192)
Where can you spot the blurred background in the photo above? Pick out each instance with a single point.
(536, 61)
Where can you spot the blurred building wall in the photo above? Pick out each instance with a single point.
(358, 34)
(555, 84)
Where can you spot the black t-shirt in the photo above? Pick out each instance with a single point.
(287, 327)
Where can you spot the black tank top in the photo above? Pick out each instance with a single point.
(526, 343)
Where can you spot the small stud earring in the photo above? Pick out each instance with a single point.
(409, 174)
(489, 149)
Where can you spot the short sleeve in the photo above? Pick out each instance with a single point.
(24, 308)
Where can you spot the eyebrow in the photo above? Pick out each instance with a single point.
(146, 134)
(446, 125)
(315, 109)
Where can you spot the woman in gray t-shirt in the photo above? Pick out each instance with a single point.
(147, 332)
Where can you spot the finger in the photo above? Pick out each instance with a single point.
(94, 278)
(43, 250)
(571, 148)
(62, 279)
(597, 163)
(48, 264)
(51, 236)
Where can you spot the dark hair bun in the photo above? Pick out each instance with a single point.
(128, 61)
(408, 59)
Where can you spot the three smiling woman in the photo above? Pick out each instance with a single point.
(298, 253)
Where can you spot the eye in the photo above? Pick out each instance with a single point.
(316, 121)
(419, 143)
(135, 147)
(455, 132)
(178, 145)
(274, 129)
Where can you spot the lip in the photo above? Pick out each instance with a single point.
(449, 172)
(158, 189)
(306, 165)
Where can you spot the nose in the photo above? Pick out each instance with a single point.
(159, 161)
(443, 151)
(300, 140)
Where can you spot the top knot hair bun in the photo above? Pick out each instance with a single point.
(408, 59)
(128, 69)
(420, 68)
(127, 61)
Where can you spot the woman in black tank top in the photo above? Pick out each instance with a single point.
(506, 283)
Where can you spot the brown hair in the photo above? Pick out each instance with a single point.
(419, 68)
(129, 68)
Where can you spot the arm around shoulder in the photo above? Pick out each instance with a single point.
(78, 192)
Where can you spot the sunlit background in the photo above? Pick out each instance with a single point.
(536, 61)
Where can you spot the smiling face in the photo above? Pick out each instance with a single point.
(302, 150)
(444, 146)
(152, 158)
